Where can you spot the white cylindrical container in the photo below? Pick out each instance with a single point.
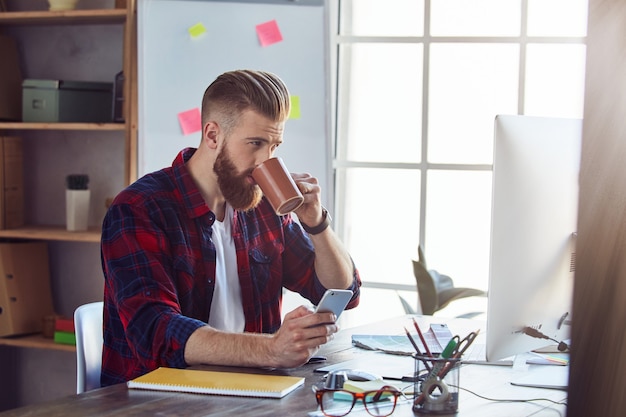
(77, 209)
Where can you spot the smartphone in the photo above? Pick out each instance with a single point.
(334, 301)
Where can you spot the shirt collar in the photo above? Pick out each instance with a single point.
(190, 194)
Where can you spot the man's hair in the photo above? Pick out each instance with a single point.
(236, 91)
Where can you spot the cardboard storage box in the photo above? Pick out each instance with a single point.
(25, 295)
(66, 101)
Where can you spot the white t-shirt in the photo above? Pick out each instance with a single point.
(226, 307)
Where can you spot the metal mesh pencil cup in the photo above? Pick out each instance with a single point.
(436, 385)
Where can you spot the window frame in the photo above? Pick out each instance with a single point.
(341, 165)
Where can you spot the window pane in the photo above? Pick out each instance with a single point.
(458, 225)
(382, 245)
(469, 85)
(547, 17)
(475, 18)
(555, 80)
(382, 18)
(380, 102)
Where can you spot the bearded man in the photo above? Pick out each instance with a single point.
(195, 259)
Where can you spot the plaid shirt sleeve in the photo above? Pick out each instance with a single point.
(275, 253)
(137, 264)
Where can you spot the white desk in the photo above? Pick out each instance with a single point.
(489, 381)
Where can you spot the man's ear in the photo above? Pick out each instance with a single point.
(209, 134)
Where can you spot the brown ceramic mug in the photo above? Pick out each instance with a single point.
(278, 186)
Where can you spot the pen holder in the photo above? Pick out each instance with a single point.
(436, 385)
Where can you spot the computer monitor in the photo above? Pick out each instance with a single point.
(533, 233)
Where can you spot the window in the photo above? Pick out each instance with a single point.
(418, 84)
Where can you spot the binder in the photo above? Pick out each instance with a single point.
(214, 382)
(11, 182)
(25, 292)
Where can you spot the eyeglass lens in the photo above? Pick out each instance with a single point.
(338, 403)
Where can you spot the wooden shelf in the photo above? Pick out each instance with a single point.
(36, 341)
(45, 17)
(58, 233)
(61, 126)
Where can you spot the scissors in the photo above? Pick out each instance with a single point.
(463, 344)
(460, 346)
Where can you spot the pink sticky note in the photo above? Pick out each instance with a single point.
(190, 121)
(268, 33)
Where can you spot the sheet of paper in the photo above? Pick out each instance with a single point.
(550, 377)
(395, 367)
(400, 343)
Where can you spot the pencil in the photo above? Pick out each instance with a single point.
(417, 349)
(419, 333)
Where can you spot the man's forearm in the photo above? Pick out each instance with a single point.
(212, 347)
(333, 264)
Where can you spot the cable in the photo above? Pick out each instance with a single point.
(529, 331)
(530, 400)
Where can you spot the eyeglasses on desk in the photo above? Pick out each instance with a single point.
(339, 402)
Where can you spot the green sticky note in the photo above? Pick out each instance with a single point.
(295, 107)
(197, 30)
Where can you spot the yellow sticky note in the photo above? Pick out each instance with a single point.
(295, 107)
(197, 30)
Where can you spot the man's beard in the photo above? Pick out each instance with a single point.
(238, 191)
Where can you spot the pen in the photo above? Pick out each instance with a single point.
(417, 349)
(419, 333)
(447, 352)
(449, 349)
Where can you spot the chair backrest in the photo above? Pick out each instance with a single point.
(88, 326)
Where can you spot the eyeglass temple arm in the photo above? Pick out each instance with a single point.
(379, 392)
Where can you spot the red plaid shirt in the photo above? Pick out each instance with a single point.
(159, 268)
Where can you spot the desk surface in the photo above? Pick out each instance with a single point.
(489, 381)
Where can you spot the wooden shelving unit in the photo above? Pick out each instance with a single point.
(61, 126)
(125, 16)
(44, 17)
(118, 16)
(36, 341)
(51, 233)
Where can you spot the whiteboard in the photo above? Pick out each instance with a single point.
(174, 69)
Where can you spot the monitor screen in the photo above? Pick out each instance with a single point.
(533, 233)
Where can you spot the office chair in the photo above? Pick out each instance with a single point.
(435, 291)
(88, 326)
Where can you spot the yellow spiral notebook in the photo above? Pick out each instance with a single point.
(213, 382)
